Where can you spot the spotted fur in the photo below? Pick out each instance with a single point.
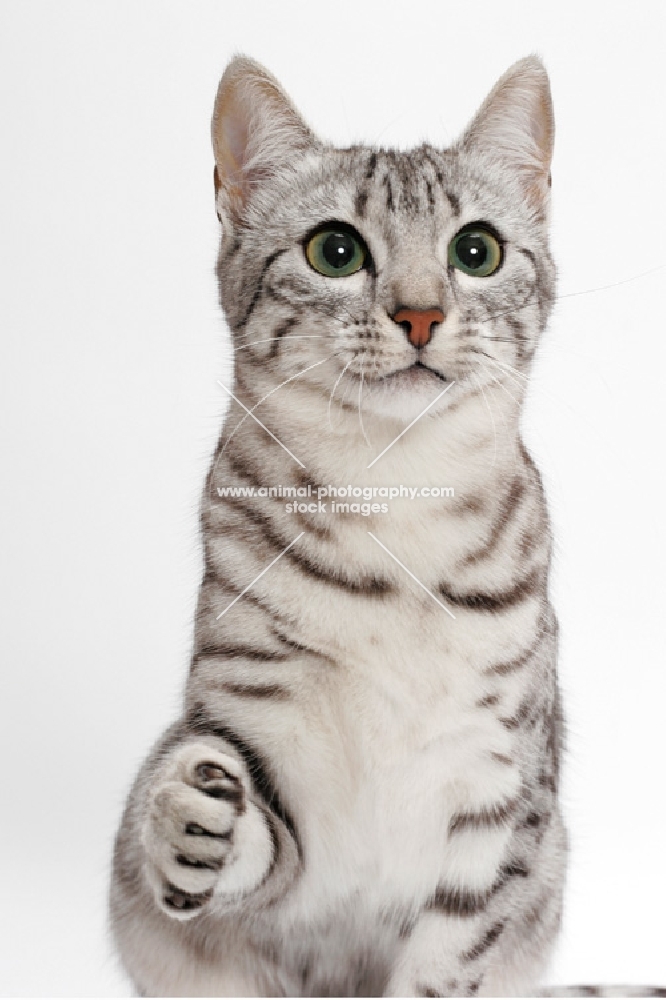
(360, 797)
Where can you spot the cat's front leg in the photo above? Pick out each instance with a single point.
(463, 957)
(205, 839)
(494, 941)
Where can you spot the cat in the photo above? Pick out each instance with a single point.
(361, 795)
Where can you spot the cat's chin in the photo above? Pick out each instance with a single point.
(406, 393)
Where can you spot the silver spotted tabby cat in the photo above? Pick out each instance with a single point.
(360, 797)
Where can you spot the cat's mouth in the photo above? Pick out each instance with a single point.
(415, 374)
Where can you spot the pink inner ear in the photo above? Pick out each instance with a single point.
(236, 138)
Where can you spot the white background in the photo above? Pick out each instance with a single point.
(112, 343)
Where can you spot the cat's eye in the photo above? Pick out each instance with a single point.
(475, 250)
(336, 251)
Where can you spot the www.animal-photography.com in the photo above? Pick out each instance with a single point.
(333, 481)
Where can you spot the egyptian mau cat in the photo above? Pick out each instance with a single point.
(360, 798)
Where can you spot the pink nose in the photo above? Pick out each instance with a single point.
(418, 324)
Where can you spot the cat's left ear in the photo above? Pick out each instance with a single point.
(256, 131)
(515, 124)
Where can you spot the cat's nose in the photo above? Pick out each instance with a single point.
(418, 324)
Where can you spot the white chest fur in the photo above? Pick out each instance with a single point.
(389, 748)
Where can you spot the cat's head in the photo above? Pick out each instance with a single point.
(387, 275)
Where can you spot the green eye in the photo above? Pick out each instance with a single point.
(335, 252)
(474, 250)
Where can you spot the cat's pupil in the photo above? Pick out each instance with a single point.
(338, 249)
(472, 250)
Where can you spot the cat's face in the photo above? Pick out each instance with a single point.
(391, 274)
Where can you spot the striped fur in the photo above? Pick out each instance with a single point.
(360, 798)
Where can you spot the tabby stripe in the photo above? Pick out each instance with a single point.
(300, 647)
(507, 512)
(457, 902)
(280, 332)
(520, 716)
(514, 869)
(519, 337)
(211, 576)
(366, 586)
(510, 666)
(454, 202)
(239, 652)
(234, 248)
(533, 820)
(487, 701)
(485, 818)
(260, 284)
(238, 464)
(198, 721)
(485, 943)
(276, 691)
(360, 202)
(389, 193)
(499, 601)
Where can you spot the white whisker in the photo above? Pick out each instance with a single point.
(337, 383)
(360, 401)
(490, 413)
(270, 393)
(271, 340)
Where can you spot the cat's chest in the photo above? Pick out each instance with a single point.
(385, 759)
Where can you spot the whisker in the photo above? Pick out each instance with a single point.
(614, 284)
(510, 370)
(514, 309)
(490, 413)
(500, 384)
(337, 383)
(547, 395)
(270, 393)
(360, 400)
(271, 340)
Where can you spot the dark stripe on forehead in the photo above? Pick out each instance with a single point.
(372, 166)
(429, 156)
(360, 202)
(390, 205)
(454, 202)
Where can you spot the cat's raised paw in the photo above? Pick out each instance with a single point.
(191, 831)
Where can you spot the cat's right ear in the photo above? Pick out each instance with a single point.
(256, 131)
